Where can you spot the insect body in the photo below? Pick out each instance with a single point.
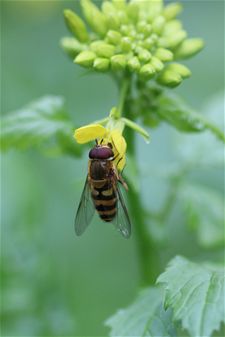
(102, 193)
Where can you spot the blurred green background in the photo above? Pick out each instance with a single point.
(53, 282)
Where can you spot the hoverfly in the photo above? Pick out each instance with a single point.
(102, 192)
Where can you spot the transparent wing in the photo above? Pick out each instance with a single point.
(85, 210)
(122, 220)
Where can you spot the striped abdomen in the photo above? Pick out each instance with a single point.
(104, 198)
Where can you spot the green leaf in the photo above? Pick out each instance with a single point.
(173, 110)
(208, 150)
(195, 292)
(145, 317)
(204, 209)
(41, 123)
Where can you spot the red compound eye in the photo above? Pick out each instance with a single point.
(101, 152)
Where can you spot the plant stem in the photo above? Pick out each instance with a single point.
(148, 256)
(123, 95)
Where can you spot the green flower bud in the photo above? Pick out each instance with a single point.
(172, 10)
(174, 40)
(101, 64)
(126, 44)
(111, 15)
(162, 42)
(144, 27)
(102, 49)
(189, 48)
(141, 26)
(157, 64)
(85, 58)
(133, 11)
(107, 7)
(71, 46)
(158, 24)
(113, 37)
(119, 4)
(169, 78)
(76, 25)
(136, 35)
(133, 64)
(122, 17)
(172, 27)
(182, 70)
(154, 37)
(164, 55)
(118, 62)
(132, 33)
(94, 17)
(148, 43)
(147, 71)
(144, 55)
(124, 29)
(154, 8)
(140, 37)
(148, 29)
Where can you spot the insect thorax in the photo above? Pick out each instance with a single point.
(100, 169)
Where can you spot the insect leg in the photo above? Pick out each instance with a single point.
(120, 179)
(116, 157)
(123, 182)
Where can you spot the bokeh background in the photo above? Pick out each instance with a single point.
(54, 283)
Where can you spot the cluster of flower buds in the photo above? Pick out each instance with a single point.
(143, 37)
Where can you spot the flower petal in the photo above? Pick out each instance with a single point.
(119, 142)
(121, 163)
(89, 132)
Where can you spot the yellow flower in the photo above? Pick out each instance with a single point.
(91, 132)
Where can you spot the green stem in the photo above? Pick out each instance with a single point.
(148, 256)
(123, 95)
(147, 253)
(136, 128)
